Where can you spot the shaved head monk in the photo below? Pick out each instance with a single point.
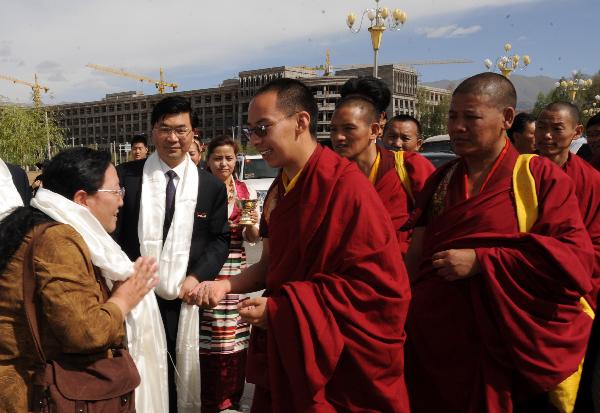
(329, 330)
(557, 126)
(354, 129)
(499, 263)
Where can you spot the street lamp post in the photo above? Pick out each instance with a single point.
(595, 109)
(380, 19)
(574, 85)
(508, 63)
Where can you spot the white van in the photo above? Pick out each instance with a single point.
(257, 174)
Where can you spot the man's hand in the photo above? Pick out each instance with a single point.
(254, 311)
(208, 294)
(188, 285)
(456, 264)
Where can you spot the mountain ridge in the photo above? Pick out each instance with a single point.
(528, 88)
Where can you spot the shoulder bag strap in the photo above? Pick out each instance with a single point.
(29, 288)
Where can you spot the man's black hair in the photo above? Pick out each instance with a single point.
(371, 87)
(293, 96)
(594, 120)
(139, 139)
(171, 105)
(367, 105)
(404, 118)
(521, 121)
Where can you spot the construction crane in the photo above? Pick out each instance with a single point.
(35, 87)
(160, 84)
(328, 69)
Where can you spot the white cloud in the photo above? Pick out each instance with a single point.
(450, 31)
(181, 35)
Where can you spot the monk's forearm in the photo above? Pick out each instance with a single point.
(250, 280)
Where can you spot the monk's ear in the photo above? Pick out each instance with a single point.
(80, 197)
(303, 123)
(508, 114)
(375, 129)
(578, 131)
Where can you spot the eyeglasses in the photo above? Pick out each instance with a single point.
(594, 134)
(120, 192)
(179, 132)
(261, 130)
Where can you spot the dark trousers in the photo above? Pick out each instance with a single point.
(169, 311)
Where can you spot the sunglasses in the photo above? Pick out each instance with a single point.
(262, 130)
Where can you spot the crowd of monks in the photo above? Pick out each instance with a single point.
(392, 286)
(491, 304)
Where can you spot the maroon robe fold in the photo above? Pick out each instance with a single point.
(595, 162)
(587, 190)
(338, 297)
(394, 196)
(515, 330)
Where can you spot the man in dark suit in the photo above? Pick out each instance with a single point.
(172, 135)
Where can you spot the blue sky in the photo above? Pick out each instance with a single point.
(200, 45)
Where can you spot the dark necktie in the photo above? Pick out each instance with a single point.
(169, 203)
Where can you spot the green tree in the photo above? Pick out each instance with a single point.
(25, 134)
(583, 100)
(433, 117)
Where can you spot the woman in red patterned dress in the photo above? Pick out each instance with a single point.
(223, 336)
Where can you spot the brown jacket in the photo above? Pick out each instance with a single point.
(73, 313)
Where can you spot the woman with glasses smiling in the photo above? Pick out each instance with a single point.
(80, 320)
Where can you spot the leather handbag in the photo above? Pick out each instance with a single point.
(67, 385)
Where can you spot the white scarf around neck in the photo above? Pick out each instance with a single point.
(173, 259)
(145, 331)
(9, 196)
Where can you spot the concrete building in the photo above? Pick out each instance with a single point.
(111, 122)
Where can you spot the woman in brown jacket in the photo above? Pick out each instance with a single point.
(77, 317)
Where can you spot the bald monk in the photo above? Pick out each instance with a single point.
(496, 323)
(354, 129)
(557, 126)
(329, 331)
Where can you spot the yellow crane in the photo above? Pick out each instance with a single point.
(35, 87)
(160, 84)
(328, 69)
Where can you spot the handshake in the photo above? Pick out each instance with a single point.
(208, 294)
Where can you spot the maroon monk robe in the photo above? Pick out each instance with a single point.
(587, 190)
(516, 329)
(419, 169)
(395, 198)
(595, 162)
(338, 297)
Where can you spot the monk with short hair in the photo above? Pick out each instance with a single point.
(499, 263)
(398, 177)
(556, 127)
(329, 330)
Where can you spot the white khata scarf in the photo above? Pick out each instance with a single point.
(173, 259)
(9, 196)
(145, 332)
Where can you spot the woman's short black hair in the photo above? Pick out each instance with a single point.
(68, 172)
(76, 169)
